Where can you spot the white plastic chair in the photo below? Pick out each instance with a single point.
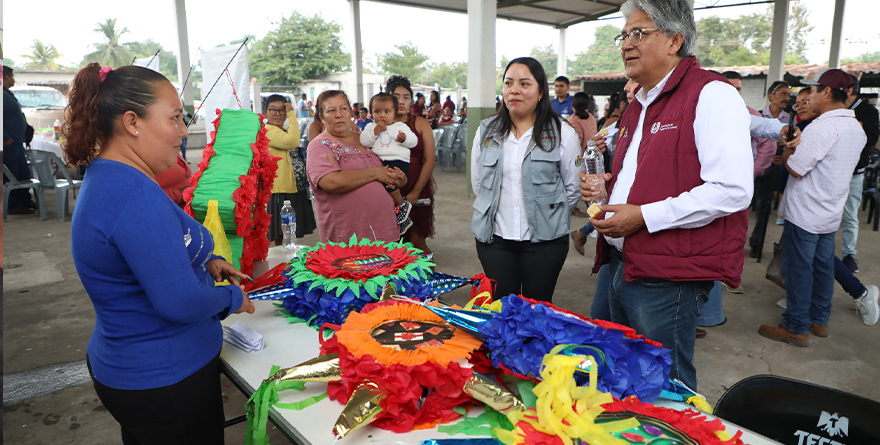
(42, 163)
(15, 184)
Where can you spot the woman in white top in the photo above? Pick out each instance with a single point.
(524, 168)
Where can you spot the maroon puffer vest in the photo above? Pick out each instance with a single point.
(668, 165)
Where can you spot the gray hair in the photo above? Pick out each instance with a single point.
(669, 16)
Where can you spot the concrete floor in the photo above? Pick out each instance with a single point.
(48, 320)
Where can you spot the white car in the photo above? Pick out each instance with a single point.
(41, 105)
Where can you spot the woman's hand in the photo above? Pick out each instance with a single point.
(221, 270)
(392, 177)
(600, 143)
(246, 304)
(413, 196)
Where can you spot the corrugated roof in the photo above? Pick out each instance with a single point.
(803, 71)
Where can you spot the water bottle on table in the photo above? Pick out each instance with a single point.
(594, 167)
(288, 229)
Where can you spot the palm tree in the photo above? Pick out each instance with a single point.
(42, 57)
(111, 52)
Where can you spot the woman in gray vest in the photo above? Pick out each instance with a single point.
(524, 168)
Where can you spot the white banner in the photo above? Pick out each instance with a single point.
(149, 62)
(214, 60)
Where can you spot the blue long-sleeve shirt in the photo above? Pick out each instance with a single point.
(157, 310)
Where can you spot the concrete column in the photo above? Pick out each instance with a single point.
(561, 61)
(357, 56)
(481, 69)
(777, 41)
(836, 30)
(183, 62)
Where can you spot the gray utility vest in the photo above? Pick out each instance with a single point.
(542, 187)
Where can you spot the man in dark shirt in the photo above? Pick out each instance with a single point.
(14, 128)
(867, 116)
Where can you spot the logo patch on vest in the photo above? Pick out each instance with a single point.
(670, 124)
(578, 162)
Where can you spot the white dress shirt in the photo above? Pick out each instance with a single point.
(829, 151)
(765, 128)
(511, 222)
(721, 132)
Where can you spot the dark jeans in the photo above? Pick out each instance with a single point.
(764, 187)
(847, 280)
(187, 412)
(587, 229)
(600, 308)
(662, 310)
(523, 267)
(808, 268)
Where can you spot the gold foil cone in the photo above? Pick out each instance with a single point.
(324, 368)
(493, 394)
(361, 409)
(388, 292)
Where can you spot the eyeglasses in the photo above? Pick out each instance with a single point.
(803, 102)
(275, 110)
(635, 36)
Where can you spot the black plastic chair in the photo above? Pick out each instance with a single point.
(795, 412)
(871, 190)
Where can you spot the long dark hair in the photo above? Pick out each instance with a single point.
(581, 102)
(434, 94)
(94, 106)
(545, 114)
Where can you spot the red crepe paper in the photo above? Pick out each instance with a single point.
(693, 423)
(404, 386)
(320, 261)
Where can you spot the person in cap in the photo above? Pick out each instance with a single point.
(812, 206)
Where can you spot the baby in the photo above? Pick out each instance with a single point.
(391, 142)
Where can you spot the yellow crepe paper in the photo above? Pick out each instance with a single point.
(215, 226)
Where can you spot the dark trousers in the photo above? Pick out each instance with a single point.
(847, 280)
(187, 412)
(523, 267)
(764, 187)
(15, 160)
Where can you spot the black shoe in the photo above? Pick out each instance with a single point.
(754, 252)
(31, 205)
(850, 262)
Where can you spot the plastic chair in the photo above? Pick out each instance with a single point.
(15, 184)
(42, 163)
(795, 412)
(871, 190)
(443, 144)
(459, 146)
(438, 150)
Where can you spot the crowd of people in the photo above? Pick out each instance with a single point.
(685, 158)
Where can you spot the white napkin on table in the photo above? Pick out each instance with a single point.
(242, 336)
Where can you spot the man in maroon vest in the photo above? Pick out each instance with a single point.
(681, 181)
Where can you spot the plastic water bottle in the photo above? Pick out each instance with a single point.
(594, 167)
(57, 128)
(288, 229)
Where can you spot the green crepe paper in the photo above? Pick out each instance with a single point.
(481, 425)
(264, 397)
(232, 159)
(527, 393)
(236, 243)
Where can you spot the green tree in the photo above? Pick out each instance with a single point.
(602, 56)
(862, 58)
(448, 75)
(301, 47)
(408, 62)
(42, 57)
(110, 52)
(499, 74)
(547, 56)
(745, 40)
(167, 59)
(9, 62)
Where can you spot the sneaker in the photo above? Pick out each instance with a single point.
(782, 303)
(850, 262)
(819, 330)
(867, 305)
(780, 222)
(405, 225)
(779, 333)
(734, 290)
(402, 212)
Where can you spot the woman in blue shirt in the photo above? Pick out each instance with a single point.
(148, 267)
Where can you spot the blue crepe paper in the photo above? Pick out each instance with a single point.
(521, 335)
